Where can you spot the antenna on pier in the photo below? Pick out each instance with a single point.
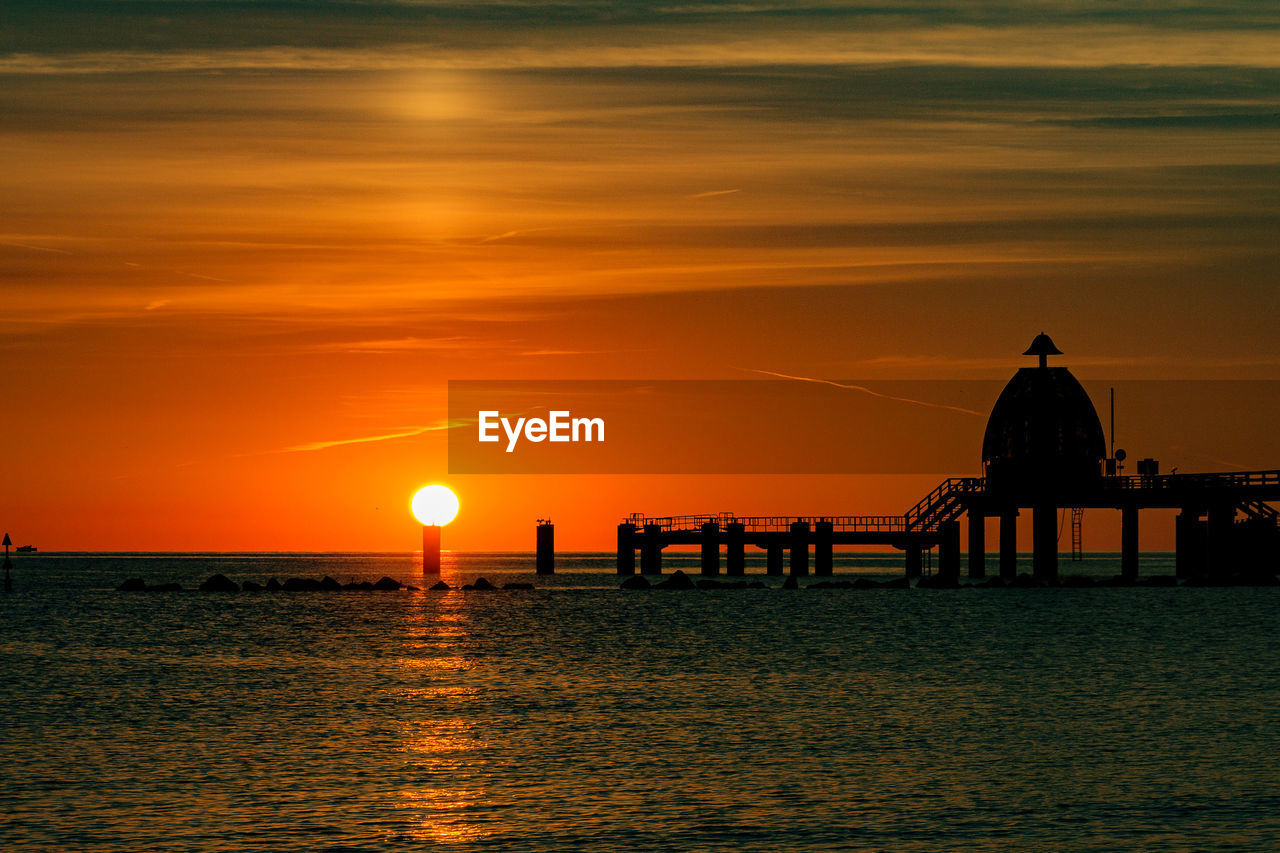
(1112, 433)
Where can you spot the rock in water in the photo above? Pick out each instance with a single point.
(219, 583)
(483, 585)
(133, 585)
(273, 585)
(386, 584)
(301, 585)
(791, 583)
(440, 586)
(329, 584)
(250, 586)
(678, 580)
(635, 582)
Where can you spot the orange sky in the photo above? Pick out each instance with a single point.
(236, 240)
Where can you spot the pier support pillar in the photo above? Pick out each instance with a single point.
(1218, 556)
(710, 548)
(1129, 543)
(546, 560)
(1044, 543)
(799, 548)
(773, 558)
(977, 545)
(915, 561)
(735, 557)
(1188, 557)
(651, 550)
(823, 548)
(1008, 545)
(949, 551)
(626, 549)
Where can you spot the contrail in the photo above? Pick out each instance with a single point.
(325, 445)
(866, 390)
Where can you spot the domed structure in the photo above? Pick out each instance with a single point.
(1043, 434)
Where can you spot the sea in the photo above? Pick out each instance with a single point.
(581, 717)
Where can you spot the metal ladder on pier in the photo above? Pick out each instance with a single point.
(1077, 534)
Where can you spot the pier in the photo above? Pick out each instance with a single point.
(1044, 452)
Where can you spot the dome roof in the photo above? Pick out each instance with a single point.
(1043, 430)
(1042, 344)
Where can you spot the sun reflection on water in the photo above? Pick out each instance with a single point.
(436, 730)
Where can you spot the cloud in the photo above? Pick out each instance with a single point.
(1066, 46)
(409, 432)
(405, 344)
(865, 390)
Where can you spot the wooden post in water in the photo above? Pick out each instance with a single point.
(977, 544)
(431, 549)
(735, 557)
(823, 548)
(651, 550)
(710, 548)
(1044, 542)
(773, 558)
(546, 559)
(799, 548)
(1008, 545)
(626, 549)
(1129, 542)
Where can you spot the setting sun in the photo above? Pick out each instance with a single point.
(435, 505)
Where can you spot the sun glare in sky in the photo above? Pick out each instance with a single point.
(435, 505)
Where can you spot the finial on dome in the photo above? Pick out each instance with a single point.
(1043, 346)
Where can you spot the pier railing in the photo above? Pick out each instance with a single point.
(951, 497)
(770, 523)
(1219, 479)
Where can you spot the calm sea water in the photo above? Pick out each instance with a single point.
(579, 717)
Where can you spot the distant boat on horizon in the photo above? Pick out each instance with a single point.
(26, 549)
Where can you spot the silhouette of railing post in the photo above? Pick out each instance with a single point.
(710, 548)
(1129, 542)
(799, 548)
(735, 557)
(1008, 545)
(626, 549)
(977, 544)
(823, 548)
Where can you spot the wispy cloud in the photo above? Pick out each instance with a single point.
(865, 390)
(409, 432)
(1062, 46)
(393, 345)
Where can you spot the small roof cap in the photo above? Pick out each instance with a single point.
(1042, 345)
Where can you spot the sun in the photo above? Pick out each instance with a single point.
(435, 505)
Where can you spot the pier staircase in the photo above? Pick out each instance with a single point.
(944, 504)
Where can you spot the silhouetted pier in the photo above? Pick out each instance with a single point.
(1043, 451)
